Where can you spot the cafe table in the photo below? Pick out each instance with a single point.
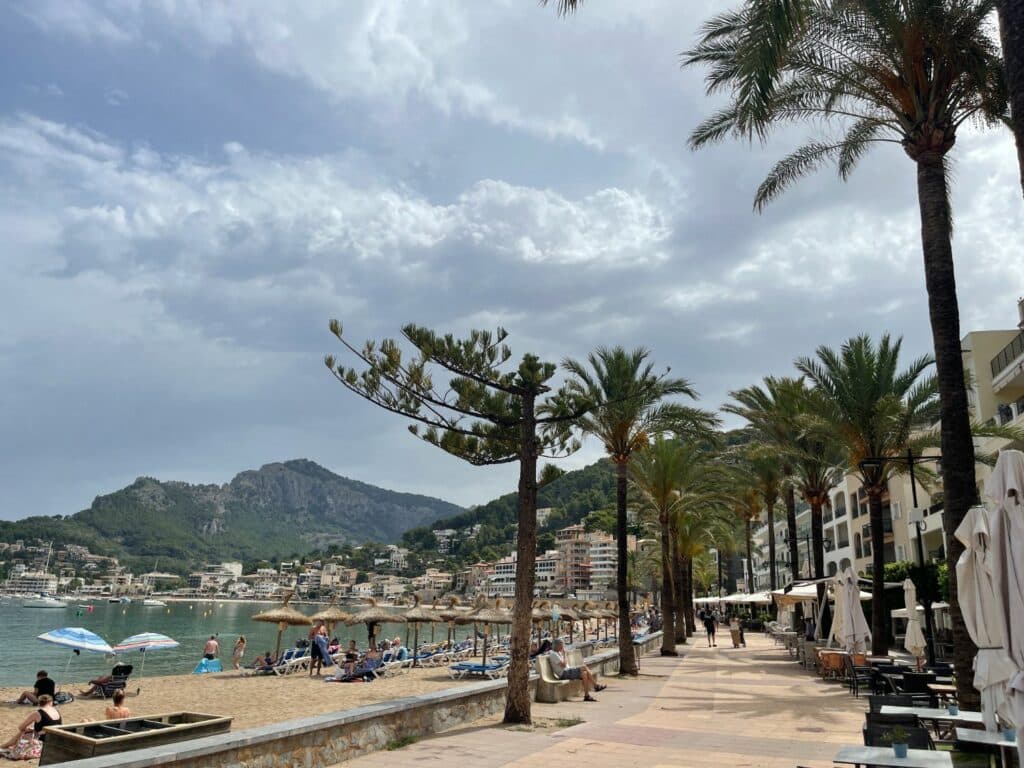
(884, 757)
(989, 739)
(940, 718)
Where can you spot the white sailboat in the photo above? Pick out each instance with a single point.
(44, 600)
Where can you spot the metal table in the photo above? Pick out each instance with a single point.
(989, 739)
(884, 757)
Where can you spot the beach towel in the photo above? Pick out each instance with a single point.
(320, 649)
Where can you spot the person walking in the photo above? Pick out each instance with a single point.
(237, 652)
(709, 627)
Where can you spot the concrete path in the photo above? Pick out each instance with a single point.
(712, 707)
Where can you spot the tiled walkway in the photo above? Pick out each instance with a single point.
(712, 707)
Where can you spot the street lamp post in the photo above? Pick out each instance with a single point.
(920, 525)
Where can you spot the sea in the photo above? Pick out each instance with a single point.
(190, 623)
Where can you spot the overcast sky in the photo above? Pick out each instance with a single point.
(189, 191)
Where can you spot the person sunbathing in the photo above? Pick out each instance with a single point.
(96, 686)
(42, 686)
(118, 711)
(351, 657)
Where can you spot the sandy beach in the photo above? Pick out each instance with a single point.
(249, 700)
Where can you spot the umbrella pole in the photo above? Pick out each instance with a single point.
(406, 635)
(487, 632)
(474, 638)
(142, 671)
(415, 643)
(280, 631)
(431, 633)
(67, 666)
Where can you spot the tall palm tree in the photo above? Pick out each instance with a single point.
(674, 481)
(874, 408)
(886, 71)
(632, 407)
(773, 411)
(1011, 27)
(765, 467)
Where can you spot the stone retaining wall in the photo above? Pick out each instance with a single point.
(323, 740)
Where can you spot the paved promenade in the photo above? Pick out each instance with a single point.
(711, 707)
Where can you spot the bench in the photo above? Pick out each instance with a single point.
(550, 689)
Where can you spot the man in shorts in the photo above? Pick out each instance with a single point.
(560, 669)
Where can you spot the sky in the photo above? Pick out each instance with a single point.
(190, 191)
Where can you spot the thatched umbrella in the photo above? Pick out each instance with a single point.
(417, 616)
(487, 616)
(449, 615)
(541, 612)
(570, 615)
(586, 612)
(331, 615)
(371, 616)
(284, 616)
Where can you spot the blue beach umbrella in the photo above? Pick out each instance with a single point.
(143, 642)
(77, 639)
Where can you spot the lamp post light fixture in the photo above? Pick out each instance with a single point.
(920, 524)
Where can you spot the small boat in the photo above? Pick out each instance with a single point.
(114, 600)
(154, 602)
(125, 601)
(43, 601)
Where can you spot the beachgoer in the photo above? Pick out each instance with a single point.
(42, 686)
(269, 659)
(351, 657)
(319, 655)
(27, 741)
(238, 651)
(709, 627)
(118, 711)
(334, 646)
(560, 669)
(212, 648)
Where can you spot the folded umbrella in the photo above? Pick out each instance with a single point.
(914, 641)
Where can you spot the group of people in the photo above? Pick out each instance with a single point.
(712, 619)
(27, 741)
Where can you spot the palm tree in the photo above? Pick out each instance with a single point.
(630, 411)
(773, 411)
(1011, 27)
(765, 467)
(748, 507)
(886, 71)
(670, 477)
(874, 408)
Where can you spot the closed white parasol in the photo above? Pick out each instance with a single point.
(914, 642)
(1006, 489)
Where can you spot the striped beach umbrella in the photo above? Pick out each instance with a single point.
(144, 642)
(77, 639)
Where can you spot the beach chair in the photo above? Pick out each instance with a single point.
(298, 662)
(118, 682)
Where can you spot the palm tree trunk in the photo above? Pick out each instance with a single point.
(686, 590)
(690, 589)
(750, 560)
(958, 481)
(668, 629)
(1011, 29)
(794, 549)
(517, 696)
(627, 656)
(769, 503)
(818, 544)
(682, 627)
(879, 640)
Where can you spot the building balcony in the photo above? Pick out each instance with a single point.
(1008, 368)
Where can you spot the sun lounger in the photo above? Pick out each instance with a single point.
(118, 682)
(467, 669)
(298, 663)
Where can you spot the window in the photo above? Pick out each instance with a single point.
(857, 551)
(839, 505)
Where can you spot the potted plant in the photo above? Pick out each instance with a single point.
(897, 738)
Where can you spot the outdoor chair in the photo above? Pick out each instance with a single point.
(877, 701)
(916, 683)
(118, 681)
(904, 721)
(879, 736)
(857, 677)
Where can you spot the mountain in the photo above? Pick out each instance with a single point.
(280, 509)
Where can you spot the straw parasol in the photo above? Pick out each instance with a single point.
(487, 615)
(449, 615)
(371, 616)
(416, 616)
(541, 612)
(570, 615)
(331, 615)
(284, 616)
(586, 612)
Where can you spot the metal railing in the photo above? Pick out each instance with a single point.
(1007, 355)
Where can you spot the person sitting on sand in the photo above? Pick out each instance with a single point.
(30, 732)
(351, 657)
(258, 662)
(42, 686)
(561, 670)
(117, 710)
(334, 646)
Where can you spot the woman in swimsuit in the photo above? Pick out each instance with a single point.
(33, 725)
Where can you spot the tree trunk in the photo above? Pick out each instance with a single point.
(959, 491)
(769, 503)
(627, 655)
(517, 696)
(682, 625)
(688, 603)
(879, 640)
(794, 543)
(668, 628)
(1011, 30)
(818, 545)
(686, 591)
(750, 559)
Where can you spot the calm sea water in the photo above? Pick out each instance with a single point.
(191, 624)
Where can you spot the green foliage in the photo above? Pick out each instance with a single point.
(600, 520)
(932, 581)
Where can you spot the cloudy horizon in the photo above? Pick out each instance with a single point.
(191, 191)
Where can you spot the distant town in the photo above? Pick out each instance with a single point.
(582, 565)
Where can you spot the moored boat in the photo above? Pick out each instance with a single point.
(43, 601)
(154, 602)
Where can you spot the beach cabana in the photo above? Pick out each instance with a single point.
(284, 616)
(372, 615)
(418, 615)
